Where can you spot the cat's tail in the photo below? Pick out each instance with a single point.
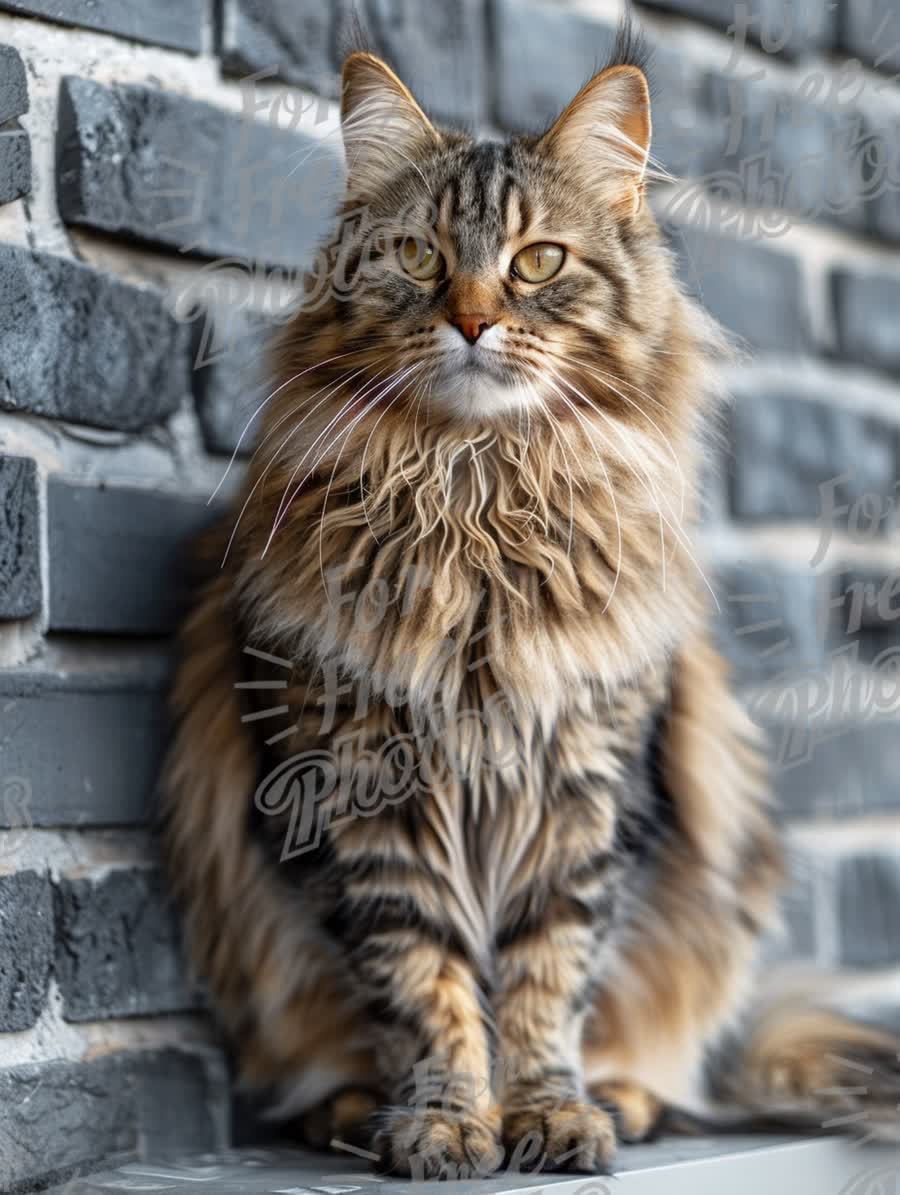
(795, 1063)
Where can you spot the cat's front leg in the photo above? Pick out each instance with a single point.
(549, 1120)
(426, 1009)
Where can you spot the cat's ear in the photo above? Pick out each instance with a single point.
(605, 132)
(383, 127)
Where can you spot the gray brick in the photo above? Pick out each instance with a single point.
(175, 23)
(297, 37)
(180, 173)
(15, 165)
(76, 344)
(882, 152)
(778, 151)
(119, 952)
(26, 948)
(845, 770)
(799, 939)
(870, 29)
(867, 318)
(807, 25)
(528, 94)
(799, 458)
(766, 624)
(227, 384)
(686, 138)
(869, 910)
(88, 744)
(61, 1118)
(864, 609)
(13, 84)
(119, 558)
(437, 49)
(20, 568)
(756, 292)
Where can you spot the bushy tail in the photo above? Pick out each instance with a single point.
(803, 1066)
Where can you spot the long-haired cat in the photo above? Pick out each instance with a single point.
(471, 838)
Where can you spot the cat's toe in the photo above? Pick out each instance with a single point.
(573, 1135)
(438, 1144)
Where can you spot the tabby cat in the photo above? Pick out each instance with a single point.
(472, 841)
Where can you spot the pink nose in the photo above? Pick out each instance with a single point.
(471, 326)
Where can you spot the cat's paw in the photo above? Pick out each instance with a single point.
(572, 1135)
(636, 1111)
(435, 1143)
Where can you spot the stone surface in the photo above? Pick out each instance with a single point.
(846, 770)
(229, 386)
(294, 36)
(776, 150)
(437, 49)
(13, 84)
(176, 172)
(528, 94)
(867, 318)
(755, 291)
(869, 910)
(865, 611)
(20, 564)
(799, 458)
(60, 1117)
(795, 29)
(674, 1165)
(685, 135)
(799, 938)
(26, 948)
(884, 210)
(15, 164)
(870, 29)
(80, 345)
(120, 559)
(87, 745)
(118, 951)
(176, 23)
(766, 622)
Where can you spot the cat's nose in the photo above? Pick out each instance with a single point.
(471, 326)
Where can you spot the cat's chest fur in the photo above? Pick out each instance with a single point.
(489, 816)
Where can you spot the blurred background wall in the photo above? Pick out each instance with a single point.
(165, 169)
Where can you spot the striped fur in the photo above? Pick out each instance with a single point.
(537, 855)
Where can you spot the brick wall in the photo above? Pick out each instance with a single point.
(149, 229)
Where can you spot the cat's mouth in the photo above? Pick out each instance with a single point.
(481, 379)
(486, 362)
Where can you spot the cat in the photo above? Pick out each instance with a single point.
(493, 887)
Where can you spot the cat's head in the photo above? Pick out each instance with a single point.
(497, 276)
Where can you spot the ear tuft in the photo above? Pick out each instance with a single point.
(384, 128)
(606, 130)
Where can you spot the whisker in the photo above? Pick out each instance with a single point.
(609, 486)
(274, 457)
(266, 400)
(679, 534)
(285, 505)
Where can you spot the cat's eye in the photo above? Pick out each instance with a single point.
(420, 259)
(538, 263)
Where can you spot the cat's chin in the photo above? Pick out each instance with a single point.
(478, 393)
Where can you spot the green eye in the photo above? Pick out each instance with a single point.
(538, 263)
(420, 259)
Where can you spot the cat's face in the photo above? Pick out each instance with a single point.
(496, 276)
